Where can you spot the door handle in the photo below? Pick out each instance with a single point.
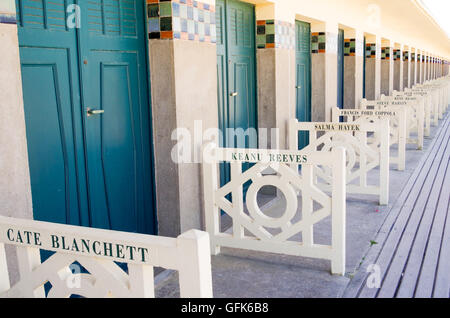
(299, 86)
(92, 112)
(234, 94)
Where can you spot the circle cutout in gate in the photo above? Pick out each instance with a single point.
(259, 216)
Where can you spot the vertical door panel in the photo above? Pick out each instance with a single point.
(242, 66)
(303, 77)
(236, 71)
(340, 101)
(48, 52)
(114, 76)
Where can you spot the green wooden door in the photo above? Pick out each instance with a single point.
(88, 170)
(340, 80)
(114, 81)
(236, 71)
(51, 93)
(236, 67)
(303, 77)
(364, 67)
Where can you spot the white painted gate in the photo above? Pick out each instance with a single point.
(413, 99)
(97, 251)
(415, 116)
(397, 124)
(254, 230)
(361, 156)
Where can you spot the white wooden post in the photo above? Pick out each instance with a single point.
(384, 162)
(142, 282)
(427, 109)
(308, 204)
(194, 265)
(338, 214)
(420, 125)
(293, 139)
(238, 200)
(4, 274)
(29, 258)
(402, 131)
(210, 186)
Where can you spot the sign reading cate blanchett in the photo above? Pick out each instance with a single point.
(78, 245)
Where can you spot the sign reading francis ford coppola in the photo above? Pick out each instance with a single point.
(385, 113)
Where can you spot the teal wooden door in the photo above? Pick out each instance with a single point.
(364, 67)
(236, 71)
(340, 80)
(88, 170)
(48, 52)
(114, 77)
(303, 77)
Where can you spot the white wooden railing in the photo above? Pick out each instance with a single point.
(254, 230)
(397, 122)
(415, 116)
(362, 158)
(97, 251)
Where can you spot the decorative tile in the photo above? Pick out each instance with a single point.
(8, 18)
(181, 19)
(349, 47)
(8, 12)
(385, 53)
(397, 55)
(371, 50)
(318, 42)
(405, 56)
(275, 34)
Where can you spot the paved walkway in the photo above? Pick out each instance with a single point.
(413, 250)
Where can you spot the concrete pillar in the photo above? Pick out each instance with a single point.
(406, 60)
(373, 67)
(324, 70)
(413, 77)
(353, 68)
(15, 187)
(183, 69)
(276, 74)
(398, 69)
(387, 68)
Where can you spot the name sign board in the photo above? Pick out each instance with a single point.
(213, 154)
(113, 245)
(336, 127)
(360, 113)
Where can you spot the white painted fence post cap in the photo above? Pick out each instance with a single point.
(339, 150)
(194, 235)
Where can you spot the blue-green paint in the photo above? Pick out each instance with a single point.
(364, 68)
(303, 77)
(236, 71)
(340, 79)
(91, 171)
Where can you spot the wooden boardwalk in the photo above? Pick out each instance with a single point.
(413, 246)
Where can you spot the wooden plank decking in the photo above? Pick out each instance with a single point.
(413, 250)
